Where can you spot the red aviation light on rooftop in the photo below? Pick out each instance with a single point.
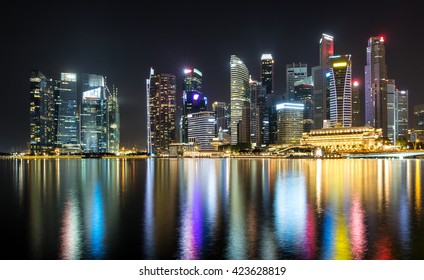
(186, 71)
(355, 83)
(381, 39)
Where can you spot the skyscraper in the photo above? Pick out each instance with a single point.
(321, 96)
(239, 86)
(294, 73)
(356, 105)
(304, 92)
(161, 90)
(67, 117)
(290, 122)
(267, 72)
(375, 85)
(259, 113)
(193, 100)
(201, 127)
(113, 121)
(93, 114)
(42, 126)
(221, 115)
(340, 85)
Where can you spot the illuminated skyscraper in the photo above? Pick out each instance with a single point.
(161, 130)
(113, 121)
(340, 83)
(294, 73)
(201, 127)
(239, 87)
(222, 116)
(68, 137)
(193, 100)
(375, 85)
(42, 126)
(267, 72)
(356, 105)
(397, 112)
(290, 122)
(321, 96)
(304, 92)
(259, 113)
(93, 114)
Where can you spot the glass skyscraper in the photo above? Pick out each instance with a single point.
(304, 92)
(193, 100)
(294, 73)
(42, 126)
(68, 137)
(340, 85)
(321, 96)
(161, 130)
(93, 114)
(239, 87)
(113, 121)
(375, 85)
(267, 72)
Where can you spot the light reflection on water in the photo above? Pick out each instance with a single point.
(212, 209)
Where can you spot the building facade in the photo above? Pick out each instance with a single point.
(294, 73)
(239, 89)
(304, 93)
(375, 85)
(356, 105)
(201, 128)
(290, 123)
(340, 86)
(161, 128)
(267, 73)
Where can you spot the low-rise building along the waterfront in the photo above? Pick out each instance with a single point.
(344, 138)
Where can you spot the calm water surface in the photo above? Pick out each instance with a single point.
(211, 209)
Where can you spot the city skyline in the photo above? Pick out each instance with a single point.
(104, 41)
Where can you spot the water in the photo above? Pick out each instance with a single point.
(211, 209)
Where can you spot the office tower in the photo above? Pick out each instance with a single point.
(113, 121)
(304, 93)
(222, 116)
(294, 73)
(93, 114)
(391, 110)
(193, 100)
(267, 72)
(403, 113)
(67, 116)
(375, 85)
(201, 128)
(42, 126)
(259, 115)
(340, 86)
(356, 105)
(419, 117)
(161, 90)
(321, 96)
(239, 86)
(290, 122)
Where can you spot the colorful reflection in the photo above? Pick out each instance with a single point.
(183, 208)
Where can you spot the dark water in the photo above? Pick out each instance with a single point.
(211, 209)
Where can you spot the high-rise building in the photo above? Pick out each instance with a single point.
(259, 117)
(356, 105)
(93, 114)
(304, 92)
(201, 127)
(67, 116)
(290, 122)
(397, 112)
(222, 116)
(340, 85)
(161, 131)
(193, 100)
(42, 125)
(375, 85)
(419, 117)
(294, 73)
(267, 72)
(321, 96)
(113, 121)
(239, 87)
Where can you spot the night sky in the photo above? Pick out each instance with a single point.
(123, 40)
